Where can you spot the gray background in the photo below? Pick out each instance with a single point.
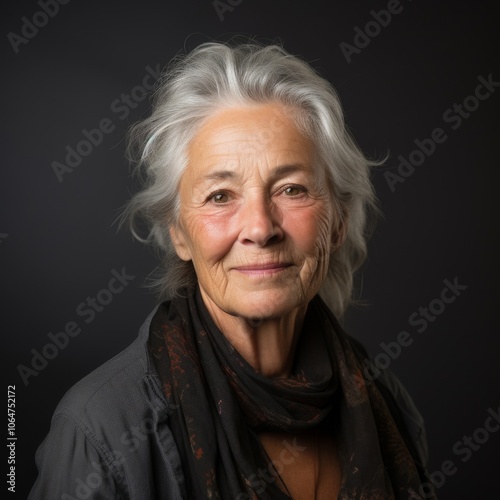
(59, 243)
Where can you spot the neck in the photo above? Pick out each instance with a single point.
(269, 345)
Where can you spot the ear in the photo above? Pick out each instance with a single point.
(179, 242)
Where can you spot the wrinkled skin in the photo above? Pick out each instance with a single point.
(257, 221)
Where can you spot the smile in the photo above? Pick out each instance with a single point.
(263, 269)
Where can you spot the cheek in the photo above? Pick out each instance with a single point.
(210, 239)
(310, 230)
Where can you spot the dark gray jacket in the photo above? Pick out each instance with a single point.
(110, 438)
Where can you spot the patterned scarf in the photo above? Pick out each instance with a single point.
(220, 403)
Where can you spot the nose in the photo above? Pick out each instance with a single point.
(260, 222)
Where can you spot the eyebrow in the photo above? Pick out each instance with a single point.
(277, 172)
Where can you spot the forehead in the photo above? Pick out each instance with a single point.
(244, 136)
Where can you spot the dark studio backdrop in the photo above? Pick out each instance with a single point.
(419, 79)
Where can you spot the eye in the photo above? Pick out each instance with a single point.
(219, 197)
(293, 191)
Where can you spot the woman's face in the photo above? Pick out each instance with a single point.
(256, 216)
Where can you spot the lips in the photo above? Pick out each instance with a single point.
(263, 269)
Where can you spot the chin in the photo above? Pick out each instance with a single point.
(272, 304)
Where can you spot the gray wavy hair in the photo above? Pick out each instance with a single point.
(214, 75)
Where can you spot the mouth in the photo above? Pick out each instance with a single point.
(263, 269)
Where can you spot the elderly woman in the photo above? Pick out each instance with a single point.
(242, 383)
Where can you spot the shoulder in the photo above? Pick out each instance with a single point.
(114, 387)
(114, 419)
(120, 398)
(99, 392)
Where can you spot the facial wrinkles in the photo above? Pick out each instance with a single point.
(237, 148)
(257, 198)
(318, 266)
